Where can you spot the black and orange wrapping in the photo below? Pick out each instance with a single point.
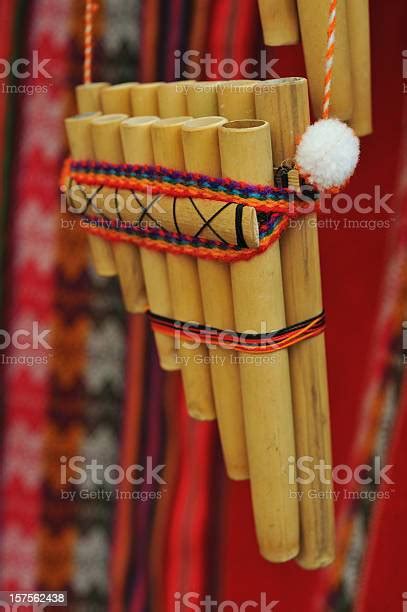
(268, 342)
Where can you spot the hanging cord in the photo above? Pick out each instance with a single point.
(329, 59)
(90, 9)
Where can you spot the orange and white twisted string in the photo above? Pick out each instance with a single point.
(90, 8)
(329, 59)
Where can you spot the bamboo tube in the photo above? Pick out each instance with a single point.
(107, 146)
(88, 100)
(172, 98)
(284, 104)
(211, 219)
(144, 99)
(236, 99)
(78, 133)
(116, 99)
(359, 41)
(80, 144)
(279, 21)
(246, 154)
(276, 103)
(184, 284)
(202, 100)
(88, 97)
(138, 148)
(136, 139)
(314, 26)
(201, 151)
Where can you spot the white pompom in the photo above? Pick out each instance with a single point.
(328, 153)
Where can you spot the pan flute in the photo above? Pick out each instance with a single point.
(194, 194)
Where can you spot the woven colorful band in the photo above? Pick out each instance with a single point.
(243, 342)
(274, 206)
(171, 242)
(161, 180)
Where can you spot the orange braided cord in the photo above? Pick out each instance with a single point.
(329, 59)
(90, 8)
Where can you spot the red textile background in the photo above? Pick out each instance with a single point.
(200, 536)
(384, 581)
(352, 267)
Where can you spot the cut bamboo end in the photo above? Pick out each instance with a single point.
(249, 131)
(106, 137)
(164, 133)
(313, 18)
(201, 152)
(202, 99)
(88, 97)
(200, 124)
(279, 20)
(107, 144)
(184, 284)
(236, 99)
(117, 99)
(246, 155)
(136, 139)
(78, 129)
(287, 114)
(144, 99)
(201, 144)
(172, 99)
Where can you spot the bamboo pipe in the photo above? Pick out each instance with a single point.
(80, 145)
(107, 146)
(279, 21)
(116, 99)
(88, 100)
(202, 100)
(172, 99)
(138, 149)
(184, 284)
(246, 154)
(201, 152)
(88, 97)
(359, 40)
(232, 223)
(144, 99)
(136, 139)
(314, 26)
(284, 104)
(236, 99)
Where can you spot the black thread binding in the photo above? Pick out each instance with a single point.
(174, 215)
(241, 242)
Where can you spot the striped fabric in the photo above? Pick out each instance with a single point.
(29, 300)
(99, 392)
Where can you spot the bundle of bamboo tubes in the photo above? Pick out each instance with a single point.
(271, 411)
(283, 20)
